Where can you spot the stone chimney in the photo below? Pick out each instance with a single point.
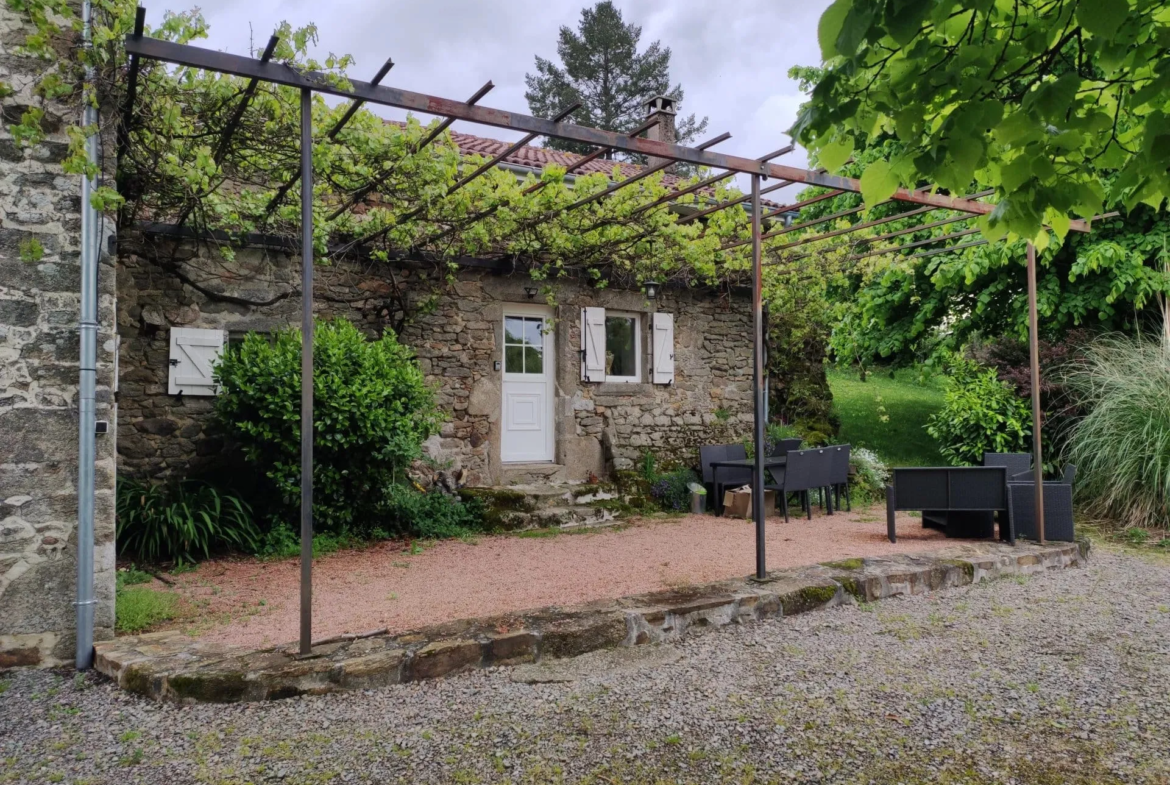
(664, 109)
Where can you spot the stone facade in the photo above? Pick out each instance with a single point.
(457, 332)
(40, 222)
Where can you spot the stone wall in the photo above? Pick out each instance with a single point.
(456, 330)
(40, 221)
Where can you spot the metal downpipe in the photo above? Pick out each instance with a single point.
(86, 421)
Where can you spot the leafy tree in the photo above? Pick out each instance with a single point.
(1060, 105)
(602, 68)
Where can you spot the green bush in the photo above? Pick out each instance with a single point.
(180, 521)
(670, 488)
(431, 515)
(1121, 446)
(979, 414)
(372, 412)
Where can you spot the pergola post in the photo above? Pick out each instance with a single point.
(758, 381)
(306, 371)
(1034, 351)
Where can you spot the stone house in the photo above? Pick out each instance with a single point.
(563, 384)
(534, 391)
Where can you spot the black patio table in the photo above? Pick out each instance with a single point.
(770, 462)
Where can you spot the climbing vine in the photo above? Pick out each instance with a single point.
(377, 188)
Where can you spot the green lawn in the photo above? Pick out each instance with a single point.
(900, 439)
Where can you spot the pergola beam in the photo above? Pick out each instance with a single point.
(281, 192)
(376, 183)
(280, 73)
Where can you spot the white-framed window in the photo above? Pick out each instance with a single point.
(623, 347)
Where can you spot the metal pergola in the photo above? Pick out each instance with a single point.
(262, 69)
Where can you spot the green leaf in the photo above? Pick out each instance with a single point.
(904, 19)
(1058, 221)
(878, 183)
(834, 155)
(829, 28)
(1102, 17)
(855, 28)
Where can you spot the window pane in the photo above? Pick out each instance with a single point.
(513, 329)
(533, 359)
(532, 332)
(514, 359)
(620, 348)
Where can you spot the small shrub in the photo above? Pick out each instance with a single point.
(431, 515)
(373, 410)
(139, 608)
(180, 522)
(870, 474)
(1135, 535)
(979, 414)
(672, 491)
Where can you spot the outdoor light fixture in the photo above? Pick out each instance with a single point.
(530, 291)
(651, 288)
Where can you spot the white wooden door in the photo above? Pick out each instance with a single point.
(527, 433)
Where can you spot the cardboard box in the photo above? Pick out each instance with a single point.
(738, 503)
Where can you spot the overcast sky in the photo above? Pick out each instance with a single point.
(732, 58)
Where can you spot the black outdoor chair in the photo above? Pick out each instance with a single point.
(839, 476)
(1014, 462)
(785, 446)
(1018, 464)
(804, 471)
(1058, 507)
(726, 475)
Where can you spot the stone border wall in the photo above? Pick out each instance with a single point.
(40, 282)
(169, 666)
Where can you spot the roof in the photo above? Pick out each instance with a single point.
(536, 158)
(539, 157)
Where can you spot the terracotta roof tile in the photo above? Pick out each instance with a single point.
(538, 157)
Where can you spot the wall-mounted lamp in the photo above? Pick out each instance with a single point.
(651, 288)
(531, 291)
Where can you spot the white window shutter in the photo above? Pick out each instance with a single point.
(593, 344)
(193, 354)
(663, 337)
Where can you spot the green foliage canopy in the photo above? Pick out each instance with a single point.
(377, 192)
(1036, 98)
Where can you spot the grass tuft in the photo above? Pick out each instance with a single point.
(139, 608)
(1122, 446)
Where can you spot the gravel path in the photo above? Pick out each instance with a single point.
(255, 603)
(1061, 678)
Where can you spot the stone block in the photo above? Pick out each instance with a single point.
(511, 648)
(587, 632)
(379, 669)
(444, 658)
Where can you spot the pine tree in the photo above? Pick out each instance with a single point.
(601, 68)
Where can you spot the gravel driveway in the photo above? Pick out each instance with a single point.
(1061, 678)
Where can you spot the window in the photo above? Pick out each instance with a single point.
(524, 344)
(623, 348)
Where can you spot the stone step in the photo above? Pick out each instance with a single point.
(533, 473)
(567, 517)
